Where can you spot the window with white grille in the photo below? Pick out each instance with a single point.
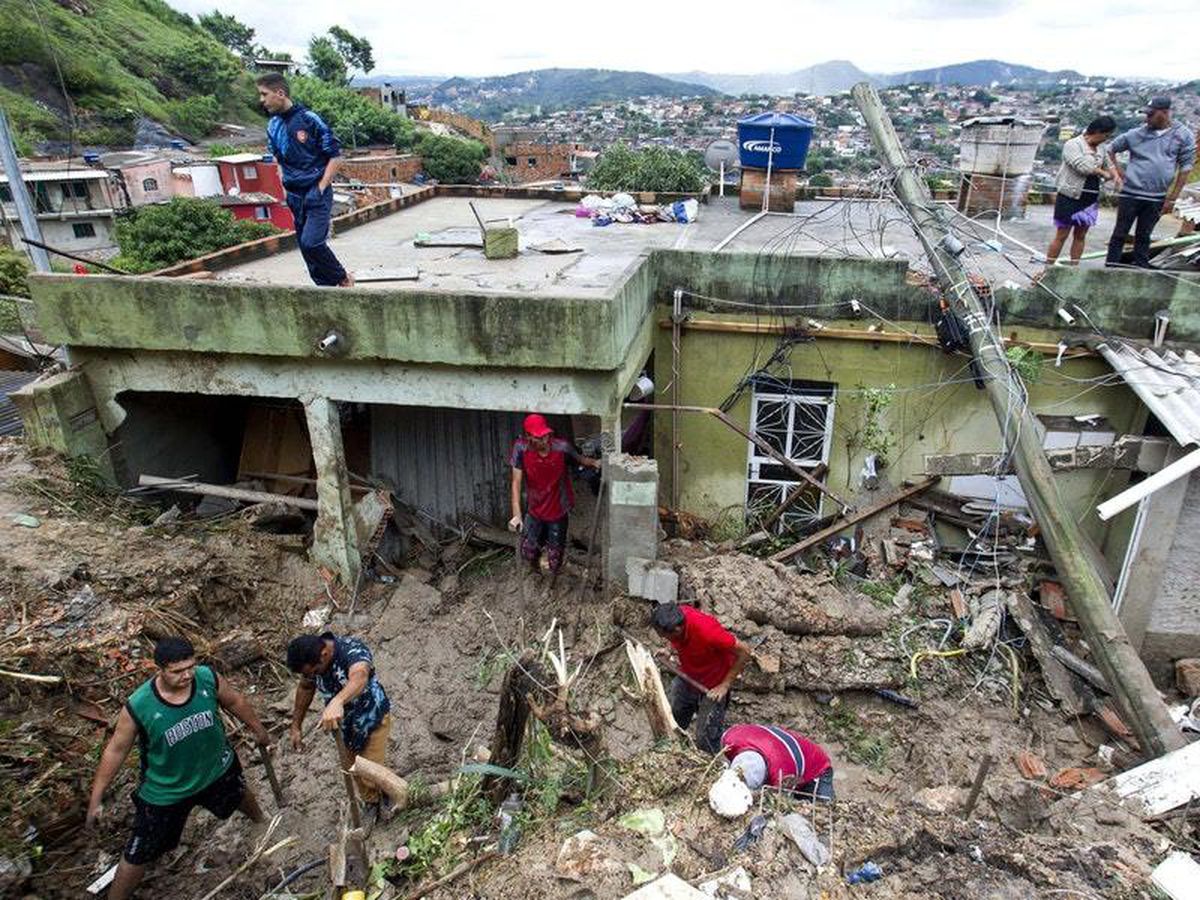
(796, 420)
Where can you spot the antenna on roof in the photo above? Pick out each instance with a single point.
(722, 156)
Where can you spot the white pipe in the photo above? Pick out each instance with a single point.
(1135, 542)
(729, 237)
(1163, 477)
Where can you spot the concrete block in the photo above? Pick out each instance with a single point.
(500, 243)
(59, 413)
(652, 580)
(1187, 677)
(631, 513)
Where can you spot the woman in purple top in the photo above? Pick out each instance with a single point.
(1077, 203)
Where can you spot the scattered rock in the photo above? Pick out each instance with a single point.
(585, 853)
(1187, 677)
(943, 799)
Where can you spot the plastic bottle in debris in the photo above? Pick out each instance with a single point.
(510, 828)
(801, 832)
(867, 872)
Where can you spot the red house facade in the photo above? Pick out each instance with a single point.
(253, 189)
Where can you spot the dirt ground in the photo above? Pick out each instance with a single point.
(84, 592)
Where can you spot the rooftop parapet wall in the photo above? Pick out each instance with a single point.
(1119, 301)
(514, 330)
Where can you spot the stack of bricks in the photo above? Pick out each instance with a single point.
(379, 171)
(979, 194)
(782, 190)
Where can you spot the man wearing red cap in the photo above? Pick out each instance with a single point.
(539, 460)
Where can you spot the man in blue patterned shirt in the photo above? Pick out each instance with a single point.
(309, 155)
(342, 669)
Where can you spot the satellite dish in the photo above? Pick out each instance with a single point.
(721, 154)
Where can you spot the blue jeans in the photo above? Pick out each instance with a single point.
(313, 211)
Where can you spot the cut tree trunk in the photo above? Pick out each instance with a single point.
(398, 789)
(658, 708)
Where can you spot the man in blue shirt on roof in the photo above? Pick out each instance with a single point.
(1161, 153)
(308, 153)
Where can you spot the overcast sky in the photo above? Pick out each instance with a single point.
(475, 37)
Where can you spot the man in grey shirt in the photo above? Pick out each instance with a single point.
(1160, 156)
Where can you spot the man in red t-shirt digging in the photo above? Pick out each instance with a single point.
(539, 460)
(709, 657)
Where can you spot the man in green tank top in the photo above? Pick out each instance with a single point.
(186, 761)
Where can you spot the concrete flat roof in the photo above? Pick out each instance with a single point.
(833, 228)
(387, 244)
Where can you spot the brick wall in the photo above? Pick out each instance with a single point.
(526, 161)
(378, 170)
(988, 193)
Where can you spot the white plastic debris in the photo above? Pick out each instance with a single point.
(729, 797)
(802, 834)
(738, 881)
(316, 618)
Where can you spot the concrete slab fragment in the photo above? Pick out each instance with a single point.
(652, 580)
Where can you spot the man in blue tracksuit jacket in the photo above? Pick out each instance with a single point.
(308, 153)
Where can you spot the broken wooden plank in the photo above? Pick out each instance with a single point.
(865, 513)
(404, 273)
(1054, 673)
(790, 500)
(1084, 670)
(1161, 785)
(645, 672)
(219, 490)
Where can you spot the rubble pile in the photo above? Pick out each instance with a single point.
(809, 633)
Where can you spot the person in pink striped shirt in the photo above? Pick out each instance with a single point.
(784, 759)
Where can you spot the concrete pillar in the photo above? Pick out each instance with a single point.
(631, 514)
(610, 432)
(59, 413)
(334, 543)
(1146, 558)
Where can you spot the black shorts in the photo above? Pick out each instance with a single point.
(157, 829)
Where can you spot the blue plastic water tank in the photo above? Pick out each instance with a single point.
(792, 135)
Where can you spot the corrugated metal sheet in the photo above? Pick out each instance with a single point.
(1169, 385)
(10, 419)
(447, 462)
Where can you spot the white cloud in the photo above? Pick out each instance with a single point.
(477, 37)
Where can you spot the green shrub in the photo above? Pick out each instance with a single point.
(820, 180)
(451, 160)
(202, 65)
(649, 169)
(14, 272)
(154, 237)
(194, 117)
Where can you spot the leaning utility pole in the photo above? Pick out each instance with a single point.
(16, 186)
(1132, 688)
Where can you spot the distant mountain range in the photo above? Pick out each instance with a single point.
(493, 96)
(841, 75)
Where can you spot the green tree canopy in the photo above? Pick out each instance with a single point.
(202, 65)
(451, 160)
(355, 50)
(820, 180)
(325, 62)
(235, 35)
(354, 119)
(153, 237)
(649, 169)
